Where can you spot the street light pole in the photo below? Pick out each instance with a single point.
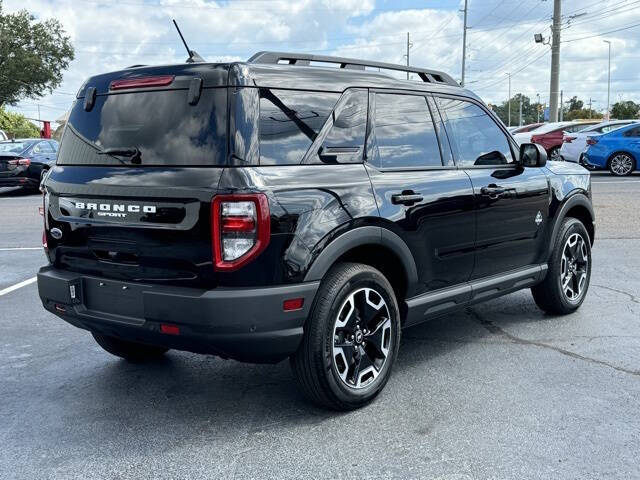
(608, 80)
(464, 41)
(509, 100)
(555, 61)
(538, 107)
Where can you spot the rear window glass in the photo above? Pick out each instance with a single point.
(160, 124)
(14, 147)
(290, 122)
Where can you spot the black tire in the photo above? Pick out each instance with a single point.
(320, 357)
(555, 152)
(131, 351)
(550, 295)
(621, 164)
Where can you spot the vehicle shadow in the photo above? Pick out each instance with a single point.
(188, 389)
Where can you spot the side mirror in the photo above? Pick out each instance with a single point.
(532, 155)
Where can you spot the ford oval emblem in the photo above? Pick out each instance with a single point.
(56, 233)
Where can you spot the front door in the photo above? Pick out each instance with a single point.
(421, 195)
(512, 202)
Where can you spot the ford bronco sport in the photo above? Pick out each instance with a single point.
(302, 207)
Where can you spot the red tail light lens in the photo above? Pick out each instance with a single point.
(240, 229)
(141, 82)
(591, 141)
(19, 161)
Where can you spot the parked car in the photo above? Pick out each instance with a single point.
(551, 140)
(236, 209)
(3, 136)
(574, 144)
(525, 128)
(617, 151)
(22, 162)
(525, 137)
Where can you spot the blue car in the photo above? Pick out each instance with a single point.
(617, 151)
(22, 162)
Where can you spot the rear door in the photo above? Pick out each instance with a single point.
(512, 202)
(421, 195)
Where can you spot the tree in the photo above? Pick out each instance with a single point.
(575, 104)
(33, 55)
(529, 110)
(16, 126)
(625, 110)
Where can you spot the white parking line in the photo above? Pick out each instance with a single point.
(17, 286)
(618, 181)
(8, 249)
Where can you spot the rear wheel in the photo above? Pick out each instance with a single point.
(351, 338)
(554, 154)
(131, 351)
(565, 286)
(621, 164)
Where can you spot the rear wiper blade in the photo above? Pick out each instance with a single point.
(133, 153)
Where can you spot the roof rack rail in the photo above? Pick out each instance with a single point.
(303, 59)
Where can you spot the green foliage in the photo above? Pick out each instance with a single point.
(625, 110)
(581, 114)
(529, 111)
(33, 55)
(575, 104)
(16, 126)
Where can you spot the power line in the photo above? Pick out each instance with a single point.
(602, 33)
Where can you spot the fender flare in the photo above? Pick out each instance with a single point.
(360, 236)
(577, 199)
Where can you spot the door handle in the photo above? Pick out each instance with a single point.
(407, 197)
(492, 191)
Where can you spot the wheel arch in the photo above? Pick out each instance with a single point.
(577, 206)
(374, 246)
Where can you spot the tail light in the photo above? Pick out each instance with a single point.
(141, 82)
(19, 161)
(568, 139)
(240, 229)
(591, 141)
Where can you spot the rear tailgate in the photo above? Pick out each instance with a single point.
(147, 218)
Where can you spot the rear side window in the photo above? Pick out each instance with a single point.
(162, 125)
(289, 123)
(475, 138)
(404, 132)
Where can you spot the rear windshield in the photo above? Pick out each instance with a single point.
(161, 125)
(14, 147)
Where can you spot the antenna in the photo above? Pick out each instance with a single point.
(193, 55)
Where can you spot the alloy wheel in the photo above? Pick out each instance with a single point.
(574, 267)
(554, 155)
(362, 336)
(621, 164)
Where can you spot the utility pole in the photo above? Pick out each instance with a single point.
(608, 80)
(538, 108)
(464, 41)
(509, 100)
(555, 60)
(409, 45)
(561, 107)
(520, 118)
(589, 107)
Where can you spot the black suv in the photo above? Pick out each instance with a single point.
(284, 208)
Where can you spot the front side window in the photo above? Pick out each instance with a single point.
(43, 147)
(633, 132)
(404, 132)
(475, 138)
(289, 123)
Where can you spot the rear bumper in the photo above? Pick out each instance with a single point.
(19, 181)
(246, 324)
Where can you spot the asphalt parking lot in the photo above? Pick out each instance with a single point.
(498, 391)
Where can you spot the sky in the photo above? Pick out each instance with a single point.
(111, 35)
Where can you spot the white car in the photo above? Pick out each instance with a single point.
(574, 144)
(3, 136)
(525, 137)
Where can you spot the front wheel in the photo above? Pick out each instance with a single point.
(351, 338)
(621, 165)
(565, 286)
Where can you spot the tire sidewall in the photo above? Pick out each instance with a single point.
(633, 164)
(369, 278)
(570, 227)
